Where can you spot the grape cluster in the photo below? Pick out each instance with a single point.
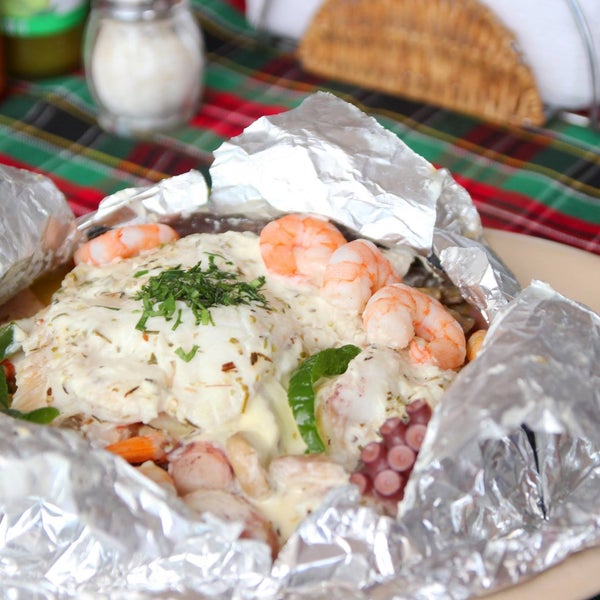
(385, 465)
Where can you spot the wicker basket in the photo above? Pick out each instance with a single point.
(451, 53)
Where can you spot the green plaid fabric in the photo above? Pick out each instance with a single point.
(543, 182)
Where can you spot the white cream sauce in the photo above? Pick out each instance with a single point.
(84, 355)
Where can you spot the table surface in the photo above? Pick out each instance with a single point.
(542, 182)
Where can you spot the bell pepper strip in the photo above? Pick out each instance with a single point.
(8, 345)
(41, 416)
(301, 390)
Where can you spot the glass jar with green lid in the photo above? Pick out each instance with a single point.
(42, 38)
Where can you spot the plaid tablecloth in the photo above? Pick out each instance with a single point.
(543, 182)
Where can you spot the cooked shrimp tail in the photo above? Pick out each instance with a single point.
(399, 315)
(299, 246)
(389, 316)
(124, 242)
(354, 272)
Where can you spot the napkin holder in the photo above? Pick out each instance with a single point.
(453, 54)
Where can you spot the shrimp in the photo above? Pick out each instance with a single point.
(134, 442)
(138, 449)
(398, 316)
(299, 246)
(311, 473)
(354, 272)
(124, 242)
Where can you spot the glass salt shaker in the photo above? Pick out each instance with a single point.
(144, 64)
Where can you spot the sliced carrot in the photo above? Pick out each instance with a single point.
(137, 449)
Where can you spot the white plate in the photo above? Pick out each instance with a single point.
(575, 274)
(577, 578)
(572, 272)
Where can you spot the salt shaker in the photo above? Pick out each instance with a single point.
(144, 64)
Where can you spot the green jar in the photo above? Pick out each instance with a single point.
(42, 38)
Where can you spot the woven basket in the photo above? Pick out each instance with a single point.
(450, 53)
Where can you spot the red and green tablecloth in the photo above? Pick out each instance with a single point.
(543, 182)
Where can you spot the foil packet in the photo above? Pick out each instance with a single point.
(35, 221)
(505, 483)
(176, 197)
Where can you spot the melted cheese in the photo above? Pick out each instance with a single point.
(84, 355)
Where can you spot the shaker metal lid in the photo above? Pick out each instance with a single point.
(138, 10)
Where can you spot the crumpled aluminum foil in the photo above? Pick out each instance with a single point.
(329, 158)
(482, 277)
(342, 165)
(507, 478)
(35, 219)
(174, 197)
(505, 485)
(77, 522)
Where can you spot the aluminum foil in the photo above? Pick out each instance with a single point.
(479, 273)
(338, 163)
(329, 158)
(506, 481)
(35, 219)
(79, 523)
(171, 198)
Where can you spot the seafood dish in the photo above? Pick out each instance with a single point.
(248, 373)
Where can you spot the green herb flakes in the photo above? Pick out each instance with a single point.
(186, 356)
(200, 288)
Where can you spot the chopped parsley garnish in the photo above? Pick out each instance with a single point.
(187, 356)
(200, 288)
